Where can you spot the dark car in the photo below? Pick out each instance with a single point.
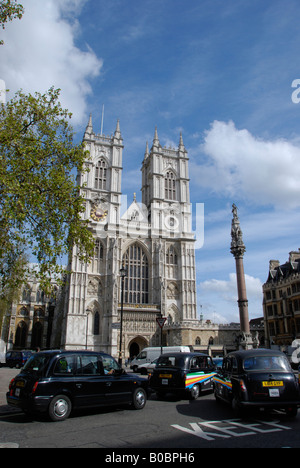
(58, 381)
(17, 358)
(258, 378)
(182, 373)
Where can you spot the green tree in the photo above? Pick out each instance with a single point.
(40, 203)
(9, 10)
(12, 290)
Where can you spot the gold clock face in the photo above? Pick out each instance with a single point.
(98, 213)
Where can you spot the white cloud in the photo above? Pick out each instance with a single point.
(40, 52)
(219, 298)
(227, 290)
(241, 165)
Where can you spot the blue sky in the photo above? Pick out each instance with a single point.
(219, 72)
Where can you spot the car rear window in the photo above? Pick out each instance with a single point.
(266, 363)
(37, 363)
(170, 361)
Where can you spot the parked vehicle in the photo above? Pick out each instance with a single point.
(181, 373)
(2, 359)
(258, 379)
(149, 354)
(58, 381)
(17, 358)
(148, 368)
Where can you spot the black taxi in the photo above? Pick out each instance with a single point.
(180, 373)
(55, 382)
(260, 378)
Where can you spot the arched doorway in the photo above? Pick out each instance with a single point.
(37, 335)
(134, 350)
(136, 346)
(21, 335)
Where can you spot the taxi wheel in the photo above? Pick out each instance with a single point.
(60, 408)
(195, 392)
(139, 399)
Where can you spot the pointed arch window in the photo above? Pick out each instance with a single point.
(21, 335)
(100, 175)
(98, 251)
(170, 186)
(171, 256)
(136, 287)
(26, 295)
(97, 323)
(171, 263)
(96, 264)
(37, 335)
(40, 296)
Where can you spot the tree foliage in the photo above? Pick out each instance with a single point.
(40, 202)
(12, 288)
(9, 10)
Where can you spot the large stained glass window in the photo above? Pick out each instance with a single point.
(136, 285)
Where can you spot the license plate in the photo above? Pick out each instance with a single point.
(165, 376)
(165, 382)
(20, 383)
(17, 392)
(274, 383)
(274, 392)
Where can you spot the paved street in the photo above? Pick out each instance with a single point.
(169, 424)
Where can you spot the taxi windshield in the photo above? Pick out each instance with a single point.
(266, 363)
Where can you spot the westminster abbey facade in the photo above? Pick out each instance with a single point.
(152, 241)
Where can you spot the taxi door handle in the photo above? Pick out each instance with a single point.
(108, 384)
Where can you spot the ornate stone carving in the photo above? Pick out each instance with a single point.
(237, 245)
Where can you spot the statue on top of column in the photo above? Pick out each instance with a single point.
(237, 245)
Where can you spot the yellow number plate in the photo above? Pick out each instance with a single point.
(275, 383)
(165, 376)
(20, 384)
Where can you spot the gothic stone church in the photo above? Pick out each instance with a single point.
(152, 240)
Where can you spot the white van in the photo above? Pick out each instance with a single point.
(149, 354)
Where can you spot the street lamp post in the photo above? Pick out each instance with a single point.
(123, 274)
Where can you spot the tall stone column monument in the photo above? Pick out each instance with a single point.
(238, 249)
